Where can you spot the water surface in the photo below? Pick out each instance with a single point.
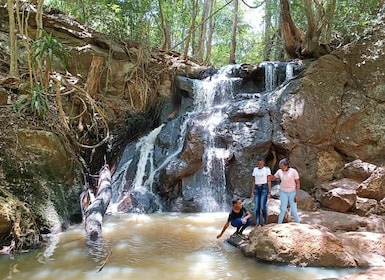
(157, 246)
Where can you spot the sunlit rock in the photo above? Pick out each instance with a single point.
(299, 244)
(327, 163)
(371, 273)
(374, 186)
(343, 222)
(366, 206)
(367, 248)
(339, 199)
(356, 170)
(344, 183)
(273, 209)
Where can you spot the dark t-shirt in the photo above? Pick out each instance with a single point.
(233, 215)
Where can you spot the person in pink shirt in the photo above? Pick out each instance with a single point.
(289, 192)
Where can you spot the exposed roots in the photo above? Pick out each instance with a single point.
(24, 231)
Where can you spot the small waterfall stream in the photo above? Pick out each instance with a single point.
(208, 187)
(146, 149)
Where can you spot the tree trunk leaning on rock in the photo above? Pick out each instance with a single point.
(96, 210)
(315, 42)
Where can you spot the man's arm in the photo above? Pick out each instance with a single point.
(248, 215)
(224, 229)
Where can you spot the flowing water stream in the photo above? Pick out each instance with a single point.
(170, 246)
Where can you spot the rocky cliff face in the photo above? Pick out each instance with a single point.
(329, 115)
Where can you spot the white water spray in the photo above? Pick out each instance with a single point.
(146, 148)
(289, 71)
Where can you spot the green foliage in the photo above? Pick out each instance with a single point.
(140, 21)
(21, 105)
(46, 47)
(352, 17)
(39, 101)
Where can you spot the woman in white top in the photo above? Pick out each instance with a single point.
(289, 192)
(260, 190)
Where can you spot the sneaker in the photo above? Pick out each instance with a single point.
(243, 236)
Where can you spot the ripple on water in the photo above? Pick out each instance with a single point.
(49, 274)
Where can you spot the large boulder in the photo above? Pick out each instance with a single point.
(343, 222)
(298, 244)
(344, 183)
(339, 199)
(38, 180)
(374, 186)
(366, 206)
(357, 170)
(367, 248)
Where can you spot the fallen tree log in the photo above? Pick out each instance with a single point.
(8, 249)
(94, 213)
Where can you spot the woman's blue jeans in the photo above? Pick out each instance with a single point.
(288, 197)
(260, 199)
(239, 225)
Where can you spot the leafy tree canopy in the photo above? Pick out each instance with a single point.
(161, 23)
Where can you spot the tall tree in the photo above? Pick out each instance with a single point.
(13, 69)
(234, 33)
(202, 30)
(292, 35)
(192, 28)
(165, 28)
(319, 15)
(210, 33)
(268, 38)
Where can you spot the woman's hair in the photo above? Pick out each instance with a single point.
(260, 158)
(284, 162)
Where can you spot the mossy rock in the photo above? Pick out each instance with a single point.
(38, 152)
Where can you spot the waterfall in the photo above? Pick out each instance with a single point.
(163, 164)
(208, 187)
(214, 92)
(277, 72)
(289, 71)
(153, 172)
(270, 75)
(145, 146)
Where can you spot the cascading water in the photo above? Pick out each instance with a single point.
(145, 148)
(146, 160)
(182, 164)
(277, 72)
(270, 75)
(208, 187)
(289, 71)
